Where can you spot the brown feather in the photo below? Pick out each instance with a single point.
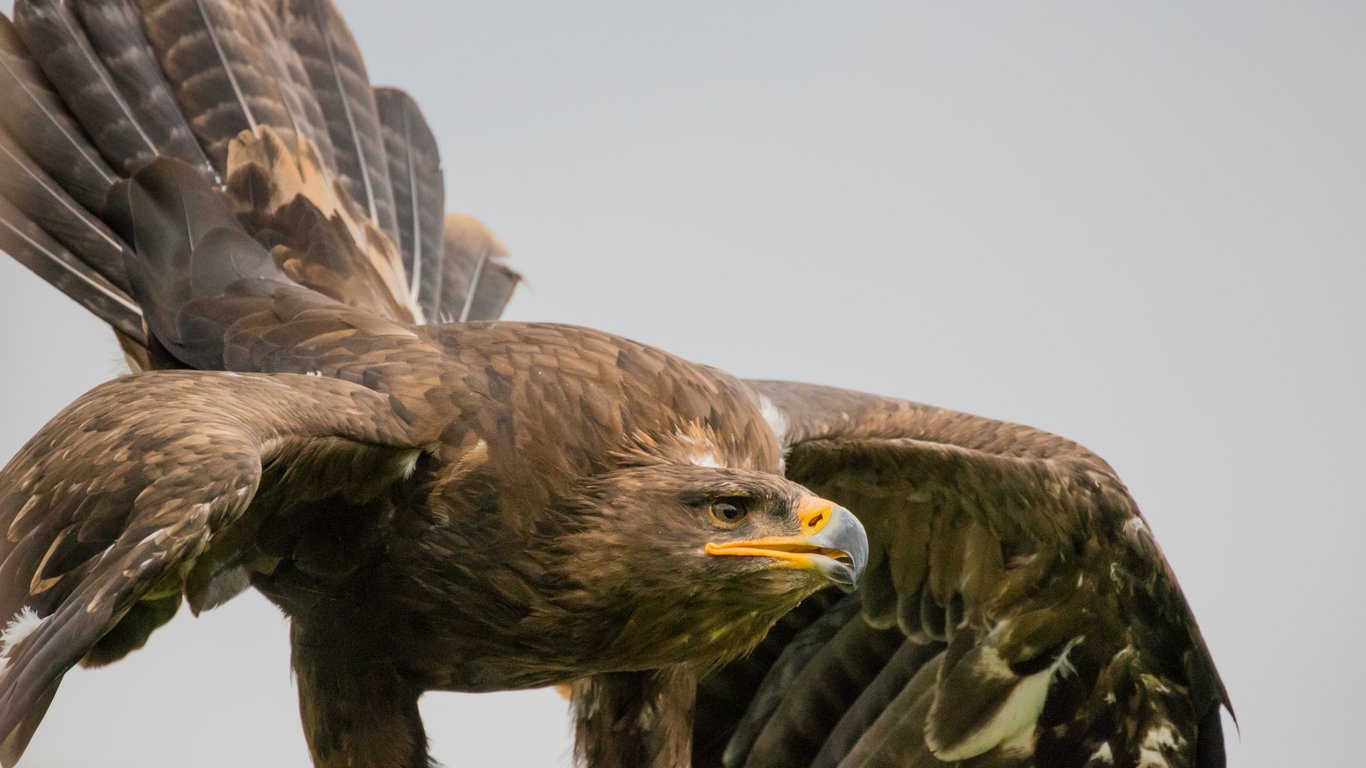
(419, 193)
(339, 83)
(1027, 553)
(476, 282)
(114, 30)
(36, 118)
(219, 70)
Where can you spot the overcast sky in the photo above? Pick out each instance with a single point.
(1139, 225)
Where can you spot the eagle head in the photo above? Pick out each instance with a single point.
(695, 563)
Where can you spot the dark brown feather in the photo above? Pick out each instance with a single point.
(724, 695)
(165, 510)
(786, 669)
(290, 205)
(476, 282)
(1026, 553)
(296, 90)
(875, 700)
(51, 32)
(419, 193)
(219, 72)
(114, 30)
(813, 703)
(30, 190)
(39, 122)
(31, 246)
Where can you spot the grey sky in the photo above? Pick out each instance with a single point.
(1139, 225)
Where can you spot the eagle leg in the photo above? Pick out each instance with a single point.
(636, 718)
(358, 711)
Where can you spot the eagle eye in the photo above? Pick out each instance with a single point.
(729, 511)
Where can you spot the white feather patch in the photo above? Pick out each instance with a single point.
(1159, 737)
(701, 449)
(24, 623)
(705, 460)
(1147, 758)
(1012, 727)
(407, 463)
(777, 421)
(1158, 740)
(1103, 754)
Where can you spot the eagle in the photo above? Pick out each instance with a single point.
(326, 408)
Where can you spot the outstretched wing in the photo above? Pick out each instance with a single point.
(1016, 610)
(160, 484)
(268, 100)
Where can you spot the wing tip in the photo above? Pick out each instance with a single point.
(26, 724)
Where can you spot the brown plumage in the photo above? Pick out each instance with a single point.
(481, 505)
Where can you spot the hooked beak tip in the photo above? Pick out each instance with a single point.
(833, 543)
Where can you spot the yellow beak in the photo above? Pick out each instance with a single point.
(832, 542)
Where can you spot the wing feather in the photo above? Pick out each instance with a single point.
(266, 99)
(112, 503)
(1021, 562)
(475, 281)
(296, 92)
(787, 668)
(29, 189)
(31, 246)
(822, 694)
(875, 701)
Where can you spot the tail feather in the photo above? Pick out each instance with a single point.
(419, 193)
(477, 283)
(29, 189)
(342, 87)
(114, 30)
(219, 73)
(52, 34)
(291, 78)
(491, 294)
(31, 246)
(38, 119)
(275, 86)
